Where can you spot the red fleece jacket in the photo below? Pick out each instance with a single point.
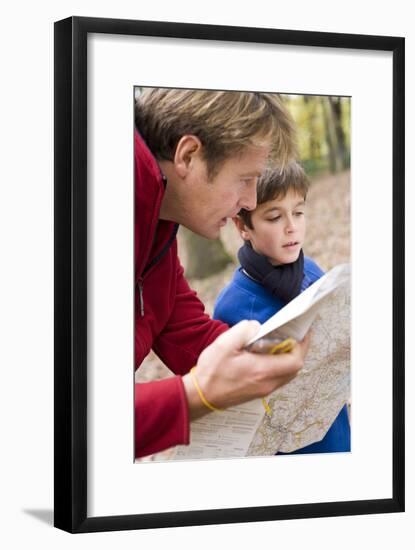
(169, 317)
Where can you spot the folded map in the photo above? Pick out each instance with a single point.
(302, 411)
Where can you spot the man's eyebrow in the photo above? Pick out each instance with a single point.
(254, 174)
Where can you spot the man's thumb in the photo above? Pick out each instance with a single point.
(239, 335)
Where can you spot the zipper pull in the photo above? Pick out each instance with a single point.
(141, 297)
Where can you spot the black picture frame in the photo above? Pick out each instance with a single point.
(70, 291)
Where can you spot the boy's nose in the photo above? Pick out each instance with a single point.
(290, 227)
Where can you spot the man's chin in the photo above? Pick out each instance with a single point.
(214, 234)
(208, 233)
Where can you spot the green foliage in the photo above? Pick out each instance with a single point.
(323, 124)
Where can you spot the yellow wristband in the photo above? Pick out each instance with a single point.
(199, 391)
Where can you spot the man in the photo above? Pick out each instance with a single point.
(198, 156)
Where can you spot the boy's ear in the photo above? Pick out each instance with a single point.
(241, 227)
(187, 148)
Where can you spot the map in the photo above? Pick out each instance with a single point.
(302, 411)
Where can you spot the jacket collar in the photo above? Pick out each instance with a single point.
(150, 233)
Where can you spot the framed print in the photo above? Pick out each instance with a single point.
(350, 90)
(301, 222)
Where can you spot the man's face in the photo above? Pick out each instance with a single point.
(278, 228)
(208, 203)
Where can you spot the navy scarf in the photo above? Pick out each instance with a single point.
(283, 281)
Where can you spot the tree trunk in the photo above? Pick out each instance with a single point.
(201, 257)
(336, 108)
(334, 160)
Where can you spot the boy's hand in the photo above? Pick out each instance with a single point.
(228, 375)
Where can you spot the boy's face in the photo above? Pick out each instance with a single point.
(278, 228)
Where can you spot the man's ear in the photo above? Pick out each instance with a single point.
(241, 227)
(187, 149)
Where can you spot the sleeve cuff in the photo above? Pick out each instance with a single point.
(161, 416)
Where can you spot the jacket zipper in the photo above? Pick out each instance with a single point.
(153, 262)
(140, 291)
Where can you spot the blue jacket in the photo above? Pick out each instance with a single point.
(244, 298)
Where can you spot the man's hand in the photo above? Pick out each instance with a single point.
(228, 375)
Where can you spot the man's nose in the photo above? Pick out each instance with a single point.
(249, 199)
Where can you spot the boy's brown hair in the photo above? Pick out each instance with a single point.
(275, 184)
(225, 122)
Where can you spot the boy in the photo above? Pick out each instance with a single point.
(274, 269)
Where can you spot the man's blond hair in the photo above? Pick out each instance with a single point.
(225, 122)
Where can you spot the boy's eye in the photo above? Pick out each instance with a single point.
(298, 213)
(274, 219)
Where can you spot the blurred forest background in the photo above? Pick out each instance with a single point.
(323, 124)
